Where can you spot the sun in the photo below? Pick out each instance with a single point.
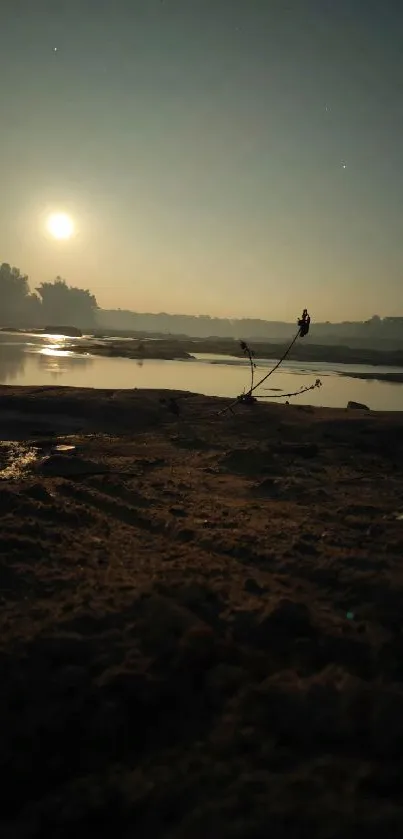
(60, 226)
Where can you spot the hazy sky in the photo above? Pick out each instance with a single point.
(230, 157)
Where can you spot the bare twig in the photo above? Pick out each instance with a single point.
(247, 350)
(248, 398)
(276, 366)
(316, 384)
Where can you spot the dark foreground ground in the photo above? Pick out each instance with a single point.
(201, 619)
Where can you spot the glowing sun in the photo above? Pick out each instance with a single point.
(60, 226)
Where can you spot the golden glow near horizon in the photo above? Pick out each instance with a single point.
(60, 226)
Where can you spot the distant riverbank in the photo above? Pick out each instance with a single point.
(183, 348)
(396, 378)
(137, 350)
(142, 347)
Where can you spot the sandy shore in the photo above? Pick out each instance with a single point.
(201, 618)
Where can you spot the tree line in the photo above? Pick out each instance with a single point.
(51, 303)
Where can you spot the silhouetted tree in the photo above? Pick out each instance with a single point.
(33, 308)
(67, 305)
(14, 295)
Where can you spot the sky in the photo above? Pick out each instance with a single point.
(238, 158)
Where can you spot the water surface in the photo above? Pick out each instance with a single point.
(41, 360)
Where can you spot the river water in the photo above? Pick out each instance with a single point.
(41, 360)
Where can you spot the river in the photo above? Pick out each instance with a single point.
(41, 360)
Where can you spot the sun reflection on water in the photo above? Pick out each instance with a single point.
(56, 351)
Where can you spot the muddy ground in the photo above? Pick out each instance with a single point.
(201, 618)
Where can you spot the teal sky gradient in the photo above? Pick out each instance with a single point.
(230, 157)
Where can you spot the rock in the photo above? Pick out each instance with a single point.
(197, 650)
(344, 650)
(108, 721)
(357, 406)
(381, 781)
(60, 465)
(161, 623)
(253, 587)
(275, 628)
(62, 650)
(186, 534)
(305, 547)
(202, 601)
(39, 493)
(8, 500)
(387, 723)
(326, 708)
(307, 450)
(269, 487)
(224, 680)
(243, 623)
(172, 405)
(391, 658)
(287, 620)
(72, 678)
(279, 704)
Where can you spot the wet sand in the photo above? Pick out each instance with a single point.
(201, 618)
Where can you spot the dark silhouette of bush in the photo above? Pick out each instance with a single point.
(67, 304)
